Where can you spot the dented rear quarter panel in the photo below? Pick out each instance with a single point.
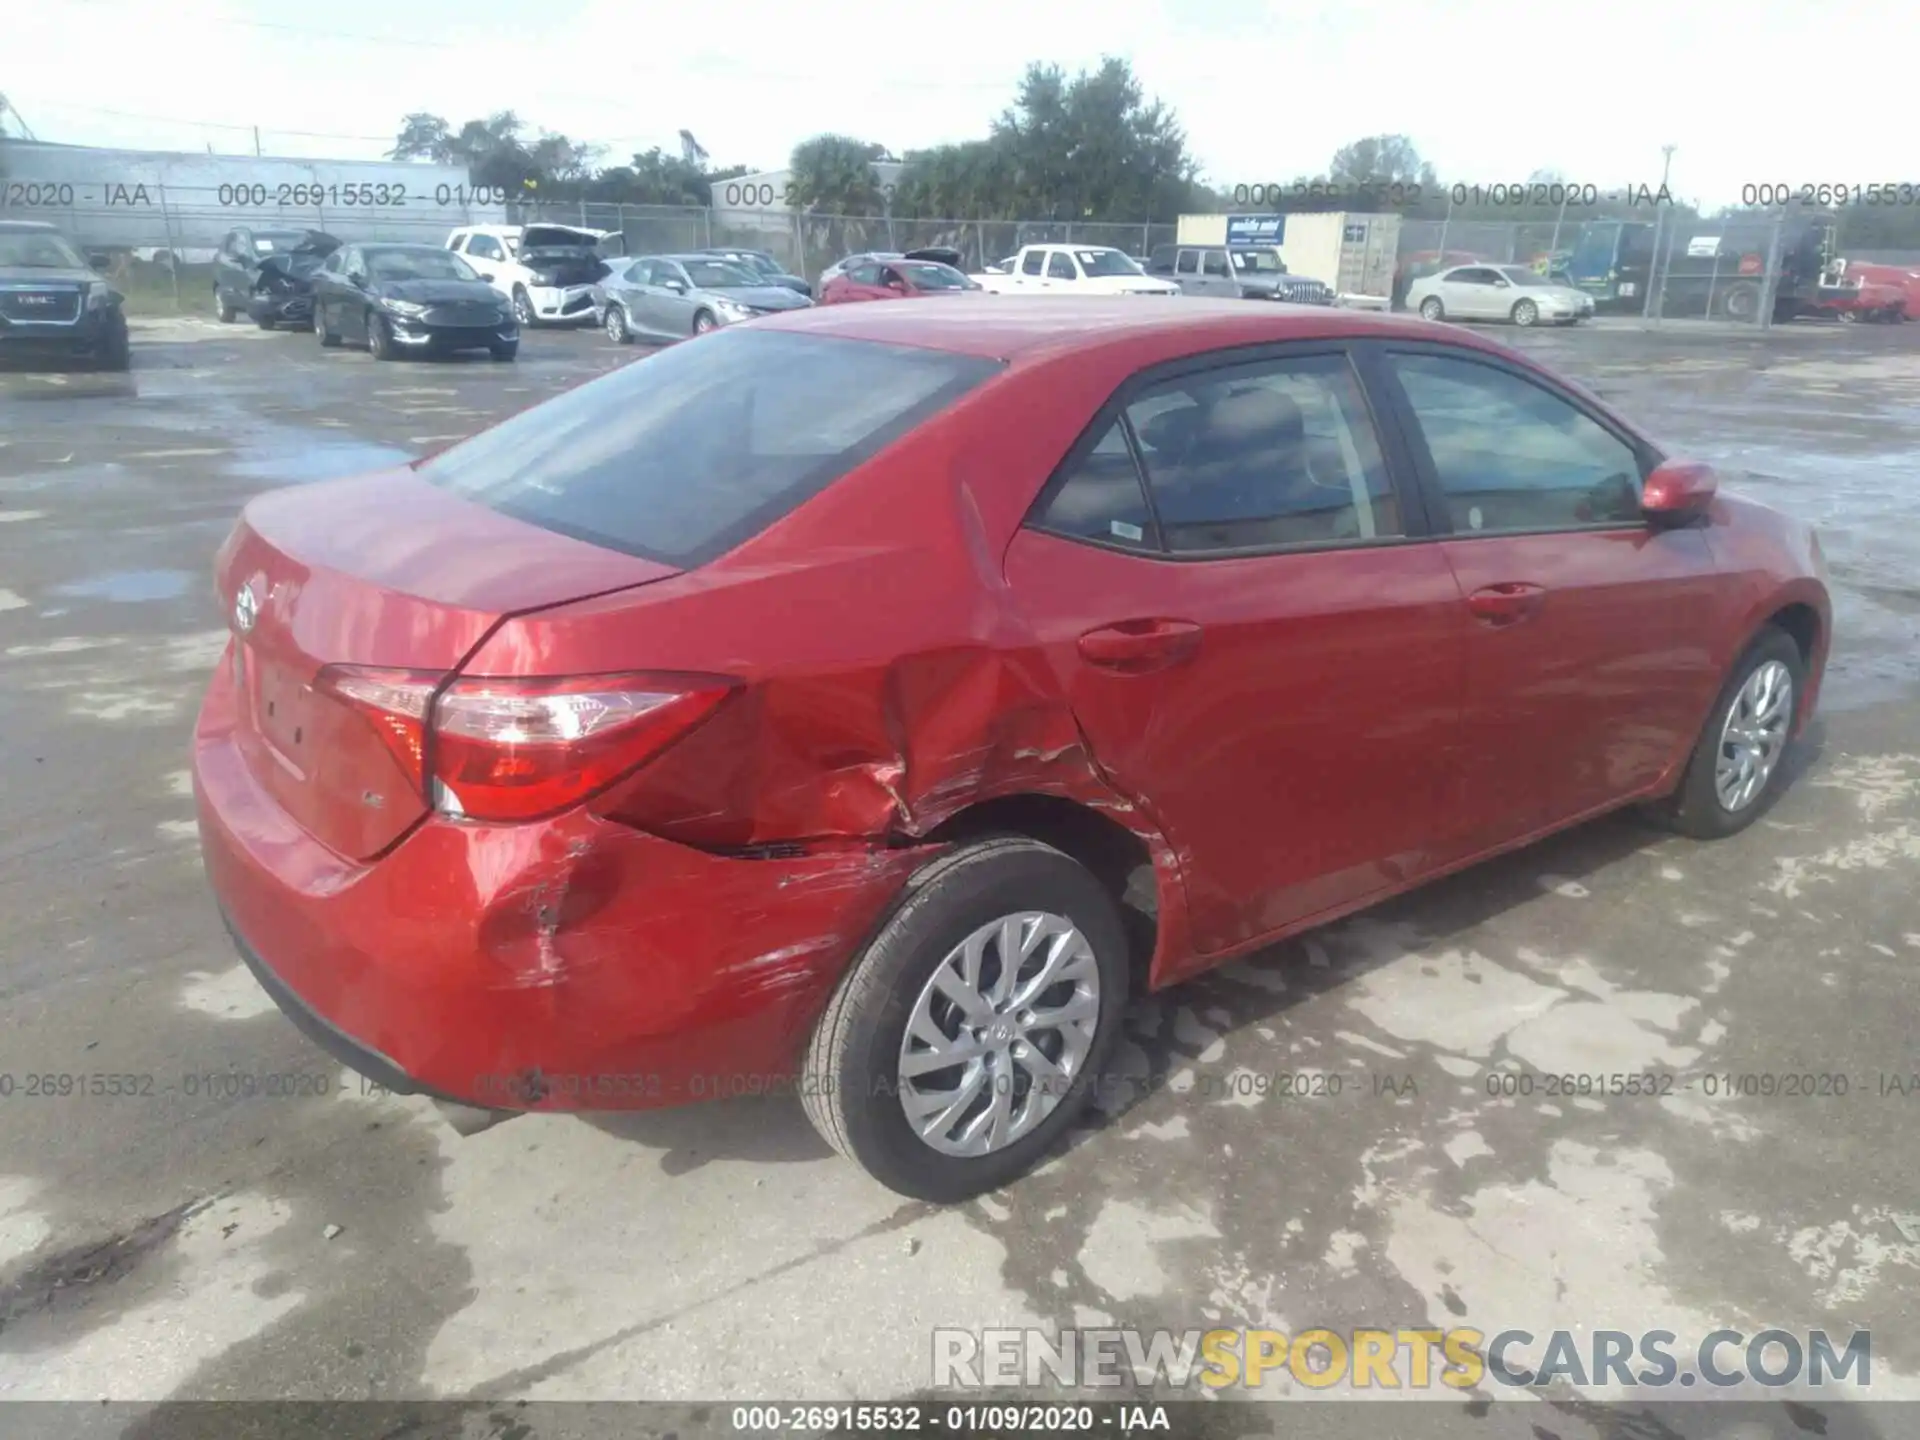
(888, 679)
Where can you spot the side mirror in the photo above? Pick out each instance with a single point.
(674, 285)
(1679, 490)
(356, 279)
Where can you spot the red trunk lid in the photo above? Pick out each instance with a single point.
(385, 570)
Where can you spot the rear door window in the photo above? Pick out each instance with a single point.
(684, 455)
(1265, 455)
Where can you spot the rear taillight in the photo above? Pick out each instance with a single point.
(510, 749)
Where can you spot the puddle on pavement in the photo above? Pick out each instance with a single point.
(130, 586)
(305, 460)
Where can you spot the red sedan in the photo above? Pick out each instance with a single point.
(895, 280)
(869, 700)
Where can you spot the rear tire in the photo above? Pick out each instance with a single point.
(618, 330)
(328, 336)
(1697, 808)
(851, 1079)
(1742, 303)
(1432, 309)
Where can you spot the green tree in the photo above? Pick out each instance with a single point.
(1381, 160)
(1090, 146)
(833, 175)
(655, 177)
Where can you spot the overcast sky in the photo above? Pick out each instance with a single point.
(1489, 91)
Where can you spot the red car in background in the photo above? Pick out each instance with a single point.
(868, 701)
(895, 280)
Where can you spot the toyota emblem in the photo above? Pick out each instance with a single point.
(246, 609)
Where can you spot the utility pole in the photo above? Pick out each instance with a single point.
(1649, 309)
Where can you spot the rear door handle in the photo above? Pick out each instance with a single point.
(1507, 603)
(1138, 647)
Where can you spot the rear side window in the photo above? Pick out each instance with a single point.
(1102, 499)
(684, 455)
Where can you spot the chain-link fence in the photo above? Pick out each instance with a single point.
(1755, 269)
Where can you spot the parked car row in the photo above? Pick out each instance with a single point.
(485, 285)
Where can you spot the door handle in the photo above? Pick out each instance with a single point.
(1507, 603)
(1138, 647)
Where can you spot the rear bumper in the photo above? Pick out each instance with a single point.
(567, 965)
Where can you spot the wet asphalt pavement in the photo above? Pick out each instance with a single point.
(182, 1243)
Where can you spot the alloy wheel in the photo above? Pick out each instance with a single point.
(999, 1033)
(1753, 737)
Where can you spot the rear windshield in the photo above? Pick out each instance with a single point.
(683, 455)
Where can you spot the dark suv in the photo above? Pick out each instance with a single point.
(53, 304)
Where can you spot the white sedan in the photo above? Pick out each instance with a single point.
(1498, 292)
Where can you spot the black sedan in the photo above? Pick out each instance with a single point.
(267, 273)
(53, 305)
(410, 300)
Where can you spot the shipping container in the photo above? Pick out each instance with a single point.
(152, 201)
(1352, 252)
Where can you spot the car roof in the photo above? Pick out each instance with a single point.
(1029, 328)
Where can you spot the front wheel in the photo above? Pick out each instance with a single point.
(973, 1028)
(329, 337)
(116, 347)
(1734, 771)
(1431, 308)
(504, 352)
(523, 307)
(703, 322)
(1525, 313)
(379, 337)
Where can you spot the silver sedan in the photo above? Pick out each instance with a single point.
(1498, 292)
(666, 297)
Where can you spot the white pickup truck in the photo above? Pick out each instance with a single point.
(1071, 270)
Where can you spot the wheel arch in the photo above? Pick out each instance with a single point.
(1121, 860)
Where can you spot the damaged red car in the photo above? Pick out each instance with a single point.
(864, 703)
